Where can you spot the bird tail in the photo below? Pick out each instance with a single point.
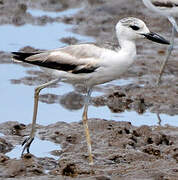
(21, 56)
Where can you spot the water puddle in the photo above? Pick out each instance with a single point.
(21, 97)
(39, 148)
(147, 118)
(1, 134)
(104, 88)
(40, 37)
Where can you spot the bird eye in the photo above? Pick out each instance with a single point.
(135, 28)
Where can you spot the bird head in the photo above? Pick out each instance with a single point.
(132, 29)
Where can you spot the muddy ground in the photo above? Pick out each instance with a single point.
(120, 150)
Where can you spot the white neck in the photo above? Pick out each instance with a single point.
(127, 45)
(128, 50)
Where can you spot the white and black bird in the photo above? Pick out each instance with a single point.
(168, 9)
(89, 65)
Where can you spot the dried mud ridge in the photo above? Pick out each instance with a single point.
(120, 150)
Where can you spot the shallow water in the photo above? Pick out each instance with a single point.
(18, 100)
(41, 37)
(45, 148)
(1, 134)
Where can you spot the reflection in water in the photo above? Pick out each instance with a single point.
(72, 101)
(18, 99)
(116, 102)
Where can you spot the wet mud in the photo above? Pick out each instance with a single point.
(120, 150)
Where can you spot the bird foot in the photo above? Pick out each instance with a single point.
(26, 143)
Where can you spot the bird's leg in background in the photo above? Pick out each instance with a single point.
(85, 124)
(169, 50)
(27, 142)
(159, 119)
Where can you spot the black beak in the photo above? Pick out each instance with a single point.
(156, 38)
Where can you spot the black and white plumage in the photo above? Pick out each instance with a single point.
(65, 62)
(88, 64)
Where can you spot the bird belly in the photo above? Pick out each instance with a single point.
(101, 77)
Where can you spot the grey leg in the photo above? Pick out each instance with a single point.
(159, 119)
(169, 50)
(29, 140)
(85, 124)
